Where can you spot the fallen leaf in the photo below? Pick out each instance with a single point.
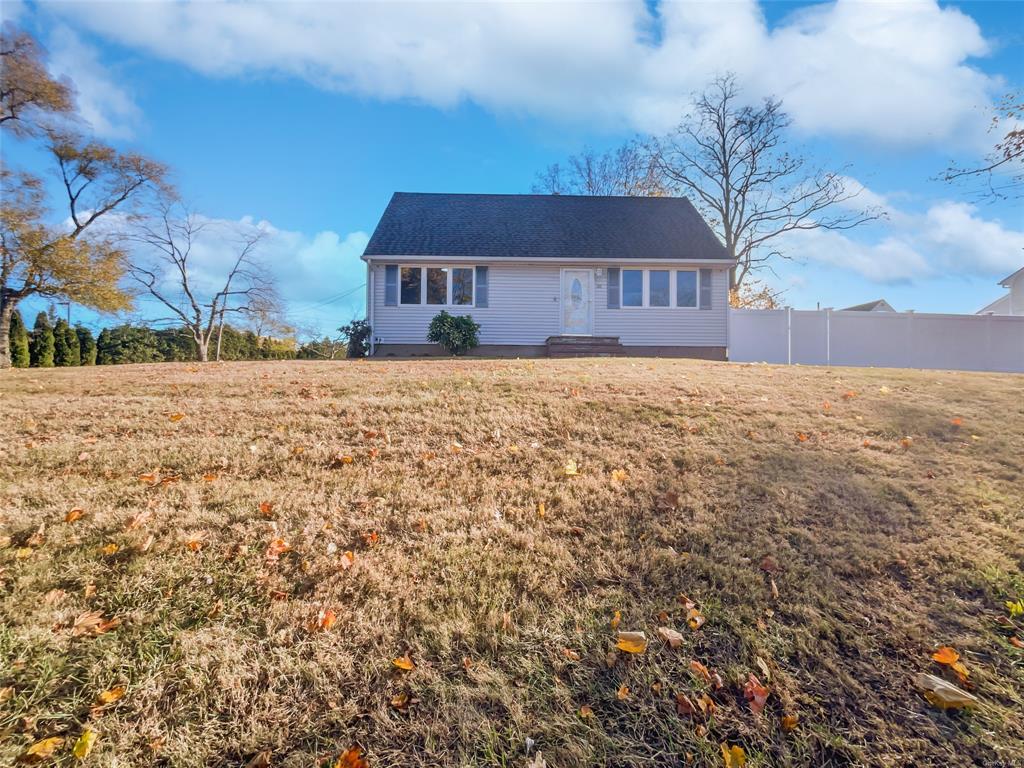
(209, 477)
(259, 760)
(570, 468)
(906, 442)
(802, 437)
(540, 509)
(631, 642)
(755, 694)
(849, 395)
(734, 756)
(324, 620)
(370, 538)
(950, 658)
(84, 744)
(340, 460)
(404, 662)
(175, 417)
(1016, 608)
(73, 515)
(695, 619)
(623, 693)
(943, 695)
(1016, 642)
(685, 706)
(956, 421)
(789, 722)
(347, 560)
(619, 475)
(266, 508)
(196, 541)
(670, 636)
(109, 696)
(351, 758)
(148, 477)
(42, 750)
(110, 549)
(92, 623)
(586, 711)
(616, 619)
(275, 549)
(701, 671)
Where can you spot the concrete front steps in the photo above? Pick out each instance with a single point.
(584, 346)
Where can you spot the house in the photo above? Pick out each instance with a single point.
(878, 305)
(549, 274)
(1011, 303)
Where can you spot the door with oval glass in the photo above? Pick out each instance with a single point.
(577, 301)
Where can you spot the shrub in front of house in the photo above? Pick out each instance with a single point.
(457, 334)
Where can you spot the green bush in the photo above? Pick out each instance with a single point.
(19, 341)
(457, 334)
(357, 338)
(65, 345)
(86, 345)
(40, 346)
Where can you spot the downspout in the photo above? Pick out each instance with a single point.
(369, 303)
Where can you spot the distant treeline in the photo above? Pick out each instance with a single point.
(52, 342)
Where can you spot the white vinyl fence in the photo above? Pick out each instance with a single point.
(882, 339)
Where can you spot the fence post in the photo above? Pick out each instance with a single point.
(789, 336)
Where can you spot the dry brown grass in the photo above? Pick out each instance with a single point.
(885, 553)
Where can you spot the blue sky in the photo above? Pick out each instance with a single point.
(308, 116)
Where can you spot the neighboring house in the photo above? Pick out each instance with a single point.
(1013, 302)
(549, 274)
(879, 305)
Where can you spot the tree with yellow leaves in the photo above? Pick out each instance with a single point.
(76, 259)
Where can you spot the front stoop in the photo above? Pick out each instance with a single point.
(584, 346)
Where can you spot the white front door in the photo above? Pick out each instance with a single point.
(576, 302)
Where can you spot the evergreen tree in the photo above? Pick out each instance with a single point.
(86, 345)
(65, 345)
(19, 341)
(41, 344)
(127, 344)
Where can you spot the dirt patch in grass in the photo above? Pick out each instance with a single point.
(889, 506)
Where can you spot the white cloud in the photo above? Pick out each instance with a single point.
(949, 238)
(108, 108)
(895, 72)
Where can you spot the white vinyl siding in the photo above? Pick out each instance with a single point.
(525, 309)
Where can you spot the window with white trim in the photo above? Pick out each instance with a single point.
(660, 288)
(437, 286)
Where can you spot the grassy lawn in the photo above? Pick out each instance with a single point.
(832, 529)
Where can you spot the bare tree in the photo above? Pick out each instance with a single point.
(731, 159)
(165, 266)
(629, 170)
(1002, 170)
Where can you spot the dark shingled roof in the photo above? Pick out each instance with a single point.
(543, 227)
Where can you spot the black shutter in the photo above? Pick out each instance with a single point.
(391, 285)
(480, 287)
(705, 289)
(613, 288)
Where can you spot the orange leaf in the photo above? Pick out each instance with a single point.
(109, 696)
(906, 442)
(325, 619)
(177, 416)
(695, 619)
(586, 711)
(616, 619)
(956, 422)
(348, 559)
(275, 549)
(801, 437)
(209, 477)
(619, 475)
(670, 636)
(266, 508)
(351, 758)
(789, 722)
(73, 515)
(404, 662)
(110, 549)
(1016, 642)
(148, 477)
(370, 538)
(701, 671)
(946, 655)
(42, 750)
(623, 693)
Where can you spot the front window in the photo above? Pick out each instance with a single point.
(412, 278)
(462, 285)
(632, 287)
(437, 285)
(659, 287)
(686, 288)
